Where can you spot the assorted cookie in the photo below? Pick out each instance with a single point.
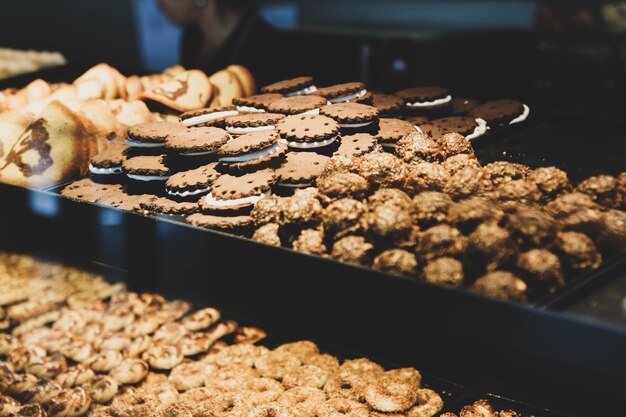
(353, 117)
(236, 194)
(294, 87)
(341, 93)
(298, 105)
(147, 168)
(256, 104)
(252, 122)
(501, 112)
(211, 116)
(252, 151)
(308, 131)
(466, 126)
(192, 183)
(425, 99)
(301, 169)
(196, 141)
(109, 162)
(390, 131)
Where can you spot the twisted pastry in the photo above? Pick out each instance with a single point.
(303, 349)
(276, 365)
(194, 343)
(7, 377)
(262, 390)
(303, 401)
(145, 325)
(114, 341)
(78, 351)
(115, 320)
(19, 384)
(70, 321)
(230, 377)
(395, 391)
(106, 361)
(306, 376)
(249, 334)
(30, 410)
(56, 340)
(170, 333)
(130, 371)
(137, 346)
(102, 388)
(173, 310)
(8, 405)
(26, 310)
(201, 319)
(70, 403)
(240, 354)
(22, 356)
(163, 356)
(74, 376)
(428, 404)
(190, 375)
(40, 393)
(35, 322)
(34, 337)
(48, 367)
(8, 344)
(91, 333)
(222, 329)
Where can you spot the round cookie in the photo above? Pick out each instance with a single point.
(308, 131)
(109, 162)
(466, 126)
(197, 141)
(501, 112)
(230, 194)
(356, 145)
(298, 105)
(340, 93)
(427, 99)
(368, 99)
(463, 106)
(211, 116)
(151, 134)
(252, 151)
(88, 190)
(391, 131)
(161, 205)
(123, 201)
(252, 122)
(293, 87)
(353, 117)
(416, 120)
(255, 104)
(301, 169)
(190, 184)
(387, 104)
(147, 168)
(232, 224)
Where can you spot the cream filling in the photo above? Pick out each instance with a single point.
(212, 201)
(437, 102)
(308, 90)
(350, 97)
(243, 130)
(355, 125)
(198, 153)
(104, 171)
(312, 111)
(252, 155)
(205, 118)
(311, 145)
(304, 185)
(136, 144)
(147, 177)
(522, 116)
(189, 193)
(479, 130)
(249, 109)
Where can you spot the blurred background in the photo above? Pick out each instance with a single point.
(563, 57)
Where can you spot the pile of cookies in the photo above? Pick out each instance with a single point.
(122, 354)
(49, 132)
(14, 62)
(482, 408)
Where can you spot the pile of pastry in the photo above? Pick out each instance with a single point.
(49, 132)
(15, 62)
(482, 408)
(113, 353)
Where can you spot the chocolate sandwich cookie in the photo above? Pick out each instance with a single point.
(252, 151)
(255, 104)
(469, 127)
(501, 112)
(88, 190)
(120, 200)
(147, 173)
(298, 105)
(211, 116)
(416, 120)
(294, 87)
(308, 131)
(388, 105)
(341, 93)
(231, 224)
(368, 99)
(189, 185)
(425, 99)
(162, 205)
(196, 141)
(356, 145)
(463, 106)
(391, 131)
(230, 194)
(252, 122)
(353, 117)
(151, 134)
(108, 164)
(301, 169)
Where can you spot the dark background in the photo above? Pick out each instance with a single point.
(564, 57)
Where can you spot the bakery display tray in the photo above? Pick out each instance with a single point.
(550, 357)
